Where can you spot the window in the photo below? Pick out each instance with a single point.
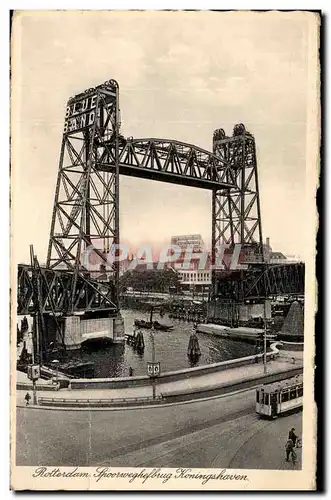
(285, 396)
(266, 399)
(293, 393)
(273, 398)
(257, 396)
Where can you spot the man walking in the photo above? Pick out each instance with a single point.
(289, 448)
(27, 399)
(293, 436)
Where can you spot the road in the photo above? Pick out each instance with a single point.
(223, 432)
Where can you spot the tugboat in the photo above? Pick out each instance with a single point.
(140, 323)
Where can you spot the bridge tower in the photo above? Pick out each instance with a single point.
(236, 212)
(85, 220)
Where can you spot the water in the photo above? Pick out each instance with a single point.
(170, 349)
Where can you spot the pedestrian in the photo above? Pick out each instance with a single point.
(289, 448)
(130, 371)
(27, 398)
(293, 436)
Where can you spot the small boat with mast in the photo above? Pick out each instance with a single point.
(140, 323)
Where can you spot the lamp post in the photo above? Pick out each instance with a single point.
(153, 361)
(34, 378)
(153, 368)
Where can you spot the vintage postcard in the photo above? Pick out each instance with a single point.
(164, 168)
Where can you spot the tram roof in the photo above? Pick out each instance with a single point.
(283, 384)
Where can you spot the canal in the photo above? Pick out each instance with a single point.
(170, 349)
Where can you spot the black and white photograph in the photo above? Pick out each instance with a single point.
(164, 168)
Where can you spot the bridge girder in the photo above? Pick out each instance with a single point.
(260, 281)
(173, 161)
(56, 292)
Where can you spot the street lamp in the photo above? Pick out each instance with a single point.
(33, 370)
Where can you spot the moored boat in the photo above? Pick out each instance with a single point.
(152, 324)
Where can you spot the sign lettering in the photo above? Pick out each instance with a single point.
(80, 114)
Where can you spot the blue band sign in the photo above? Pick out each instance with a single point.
(80, 114)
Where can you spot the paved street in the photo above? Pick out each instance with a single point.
(223, 432)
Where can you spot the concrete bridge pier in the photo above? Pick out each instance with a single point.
(78, 329)
(118, 329)
(72, 332)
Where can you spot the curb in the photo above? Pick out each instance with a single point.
(255, 383)
(119, 408)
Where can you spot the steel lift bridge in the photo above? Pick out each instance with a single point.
(86, 209)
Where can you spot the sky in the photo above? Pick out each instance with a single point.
(181, 76)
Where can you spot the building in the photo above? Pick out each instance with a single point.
(198, 276)
(275, 257)
(195, 275)
(196, 280)
(193, 241)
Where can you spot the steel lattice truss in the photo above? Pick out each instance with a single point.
(85, 210)
(236, 211)
(173, 161)
(258, 282)
(55, 295)
(85, 220)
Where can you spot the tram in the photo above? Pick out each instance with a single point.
(278, 398)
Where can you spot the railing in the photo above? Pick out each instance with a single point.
(98, 402)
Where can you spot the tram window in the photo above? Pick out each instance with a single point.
(293, 393)
(285, 396)
(273, 397)
(300, 392)
(266, 399)
(257, 396)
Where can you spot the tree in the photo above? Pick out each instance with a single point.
(152, 280)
